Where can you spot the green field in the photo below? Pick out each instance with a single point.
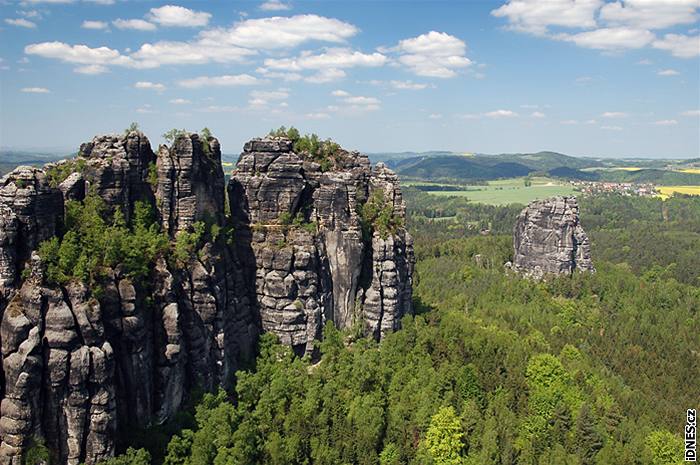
(506, 191)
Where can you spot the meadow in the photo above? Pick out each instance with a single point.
(509, 191)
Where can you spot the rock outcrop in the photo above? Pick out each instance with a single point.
(81, 368)
(549, 239)
(313, 260)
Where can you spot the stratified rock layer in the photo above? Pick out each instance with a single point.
(80, 369)
(548, 239)
(306, 243)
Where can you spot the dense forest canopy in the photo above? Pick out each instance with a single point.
(494, 369)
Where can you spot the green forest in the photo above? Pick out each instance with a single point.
(493, 368)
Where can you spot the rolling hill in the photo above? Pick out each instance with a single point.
(480, 167)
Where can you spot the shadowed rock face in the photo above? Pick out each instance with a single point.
(549, 239)
(79, 369)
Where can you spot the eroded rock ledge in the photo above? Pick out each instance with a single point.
(80, 367)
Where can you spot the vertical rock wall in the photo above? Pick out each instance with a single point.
(80, 369)
(305, 242)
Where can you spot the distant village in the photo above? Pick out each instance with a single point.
(622, 188)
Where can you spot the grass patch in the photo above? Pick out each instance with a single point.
(508, 191)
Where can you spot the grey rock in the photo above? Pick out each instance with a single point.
(306, 276)
(117, 168)
(73, 187)
(190, 183)
(549, 239)
(80, 368)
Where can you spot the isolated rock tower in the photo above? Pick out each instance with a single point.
(548, 239)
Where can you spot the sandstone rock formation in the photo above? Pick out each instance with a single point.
(312, 262)
(548, 239)
(81, 368)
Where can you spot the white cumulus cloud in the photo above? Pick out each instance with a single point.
(318, 115)
(280, 32)
(607, 25)
(665, 122)
(134, 24)
(228, 80)
(668, 72)
(150, 85)
(332, 58)
(501, 114)
(434, 54)
(650, 14)
(407, 85)
(78, 54)
(178, 16)
(35, 90)
(349, 103)
(91, 69)
(275, 5)
(94, 25)
(536, 16)
(20, 22)
(262, 98)
(613, 114)
(614, 38)
(679, 45)
(325, 75)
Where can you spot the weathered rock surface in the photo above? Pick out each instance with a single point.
(80, 369)
(117, 168)
(300, 230)
(31, 211)
(190, 183)
(549, 239)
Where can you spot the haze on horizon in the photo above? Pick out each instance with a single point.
(581, 77)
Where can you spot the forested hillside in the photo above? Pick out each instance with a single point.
(494, 369)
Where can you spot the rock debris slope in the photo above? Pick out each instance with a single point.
(549, 239)
(80, 367)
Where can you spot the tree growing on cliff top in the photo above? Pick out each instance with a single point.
(172, 135)
(324, 152)
(132, 127)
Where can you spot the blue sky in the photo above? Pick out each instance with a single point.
(583, 77)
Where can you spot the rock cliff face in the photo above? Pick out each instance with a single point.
(548, 239)
(305, 239)
(80, 367)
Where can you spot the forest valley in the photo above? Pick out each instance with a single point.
(594, 368)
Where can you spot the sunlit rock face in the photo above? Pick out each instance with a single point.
(306, 244)
(549, 239)
(83, 366)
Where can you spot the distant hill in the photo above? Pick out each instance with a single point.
(456, 167)
(486, 167)
(393, 157)
(572, 173)
(10, 159)
(662, 177)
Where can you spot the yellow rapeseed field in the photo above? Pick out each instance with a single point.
(667, 191)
